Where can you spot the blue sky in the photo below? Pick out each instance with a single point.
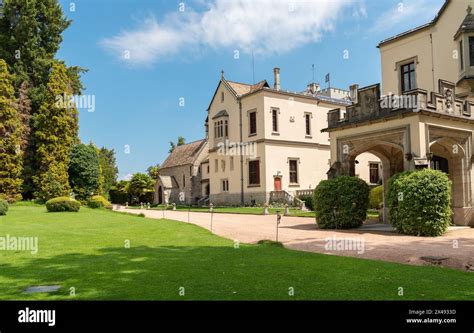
(144, 55)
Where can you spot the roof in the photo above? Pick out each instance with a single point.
(417, 29)
(243, 88)
(467, 25)
(240, 90)
(183, 155)
(219, 114)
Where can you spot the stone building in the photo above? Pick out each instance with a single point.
(422, 115)
(180, 176)
(266, 144)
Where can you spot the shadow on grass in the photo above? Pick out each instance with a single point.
(225, 273)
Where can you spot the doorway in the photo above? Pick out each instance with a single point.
(277, 183)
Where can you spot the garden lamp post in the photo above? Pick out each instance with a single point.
(278, 223)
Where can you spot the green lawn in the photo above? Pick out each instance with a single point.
(86, 251)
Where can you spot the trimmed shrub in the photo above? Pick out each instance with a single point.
(3, 207)
(376, 197)
(420, 202)
(63, 204)
(308, 201)
(341, 203)
(98, 201)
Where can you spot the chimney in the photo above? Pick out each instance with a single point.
(353, 91)
(276, 73)
(313, 87)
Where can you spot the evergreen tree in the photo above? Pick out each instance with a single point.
(27, 146)
(30, 36)
(10, 139)
(55, 132)
(109, 169)
(84, 171)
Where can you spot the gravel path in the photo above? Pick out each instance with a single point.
(455, 249)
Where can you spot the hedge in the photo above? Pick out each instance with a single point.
(98, 201)
(308, 201)
(420, 202)
(341, 203)
(63, 204)
(3, 207)
(376, 197)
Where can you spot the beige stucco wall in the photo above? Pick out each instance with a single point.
(433, 48)
(272, 149)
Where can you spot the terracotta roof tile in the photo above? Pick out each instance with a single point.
(182, 155)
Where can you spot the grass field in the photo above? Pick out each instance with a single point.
(86, 251)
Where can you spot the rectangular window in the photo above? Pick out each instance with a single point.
(307, 118)
(408, 77)
(254, 172)
(293, 171)
(225, 185)
(471, 51)
(461, 52)
(253, 123)
(222, 96)
(216, 165)
(221, 129)
(275, 120)
(374, 173)
(231, 163)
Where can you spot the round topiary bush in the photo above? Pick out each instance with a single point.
(3, 207)
(376, 197)
(341, 203)
(63, 204)
(98, 201)
(420, 202)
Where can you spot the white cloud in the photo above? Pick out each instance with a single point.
(266, 26)
(405, 14)
(126, 177)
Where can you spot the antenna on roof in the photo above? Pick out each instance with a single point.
(313, 72)
(253, 68)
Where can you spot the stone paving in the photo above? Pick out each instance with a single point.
(373, 241)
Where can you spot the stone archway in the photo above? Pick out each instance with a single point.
(454, 146)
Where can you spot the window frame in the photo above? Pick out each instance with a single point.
(254, 173)
(410, 73)
(307, 124)
(291, 172)
(275, 120)
(371, 169)
(251, 114)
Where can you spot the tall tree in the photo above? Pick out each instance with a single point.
(140, 185)
(181, 141)
(109, 168)
(84, 171)
(55, 132)
(10, 139)
(153, 171)
(30, 36)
